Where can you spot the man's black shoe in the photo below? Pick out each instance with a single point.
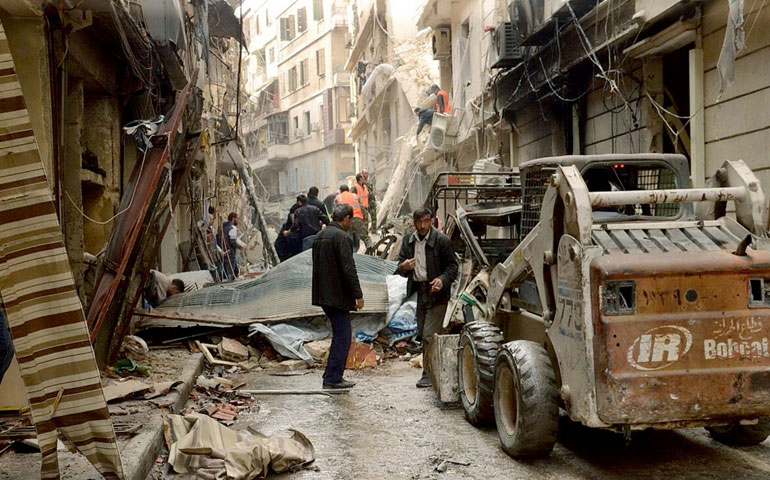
(339, 385)
(424, 381)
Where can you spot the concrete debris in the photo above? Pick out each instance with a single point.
(416, 361)
(233, 350)
(135, 388)
(291, 365)
(318, 349)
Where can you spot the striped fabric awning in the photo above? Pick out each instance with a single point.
(44, 311)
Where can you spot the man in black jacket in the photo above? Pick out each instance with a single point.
(336, 289)
(307, 222)
(427, 259)
(425, 117)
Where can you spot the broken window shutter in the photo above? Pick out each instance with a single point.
(292, 27)
(301, 19)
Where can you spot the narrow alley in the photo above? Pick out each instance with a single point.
(387, 239)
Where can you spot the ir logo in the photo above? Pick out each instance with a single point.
(659, 347)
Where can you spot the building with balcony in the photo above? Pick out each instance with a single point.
(298, 95)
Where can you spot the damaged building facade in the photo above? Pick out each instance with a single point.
(131, 107)
(298, 93)
(391, 68)
(540, 78)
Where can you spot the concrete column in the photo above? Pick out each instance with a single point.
(72, 197)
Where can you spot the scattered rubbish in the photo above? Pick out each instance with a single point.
(233, 350)
(319, 349)
(361, 355)
(442, 464)
(129, 366)
(127, 389)
(206, 348)
(199, 444)
(134, 348)
(416, 361)
(294, 373)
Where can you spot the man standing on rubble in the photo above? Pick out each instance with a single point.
(337, 290)
(346, 197)
(233, 243)
(428, 261)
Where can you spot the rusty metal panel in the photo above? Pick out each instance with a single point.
(692, 347)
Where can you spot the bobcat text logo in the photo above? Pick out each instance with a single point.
(659, 347)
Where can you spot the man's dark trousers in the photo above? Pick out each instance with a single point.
(338, 353)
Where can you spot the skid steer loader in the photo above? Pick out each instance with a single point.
(632, 301)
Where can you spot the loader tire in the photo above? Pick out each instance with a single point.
(741, 435)
(526, 400)
(478, 348)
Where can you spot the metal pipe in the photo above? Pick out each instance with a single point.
(631, 197)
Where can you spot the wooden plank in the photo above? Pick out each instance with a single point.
(647, 244)
(679, 238)
(628, 244)
(701, 239)
(661, 239)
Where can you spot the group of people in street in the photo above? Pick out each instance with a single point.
(309, 215)
(426, 258)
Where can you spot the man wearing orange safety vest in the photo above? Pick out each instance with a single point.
(442, 100)
(358, 228)
(362, 190)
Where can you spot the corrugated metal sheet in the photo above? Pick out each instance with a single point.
(660, 237)
(283, 292)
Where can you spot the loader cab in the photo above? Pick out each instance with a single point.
(606, 173)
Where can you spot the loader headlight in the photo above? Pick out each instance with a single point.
(619, 297)
(759, 292)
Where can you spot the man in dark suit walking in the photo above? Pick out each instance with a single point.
(337, 290)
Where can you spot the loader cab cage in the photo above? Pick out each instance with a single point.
(603, 173)
(452, 190)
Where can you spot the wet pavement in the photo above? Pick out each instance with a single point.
(386, 428)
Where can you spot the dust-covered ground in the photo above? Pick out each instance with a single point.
(387, 429)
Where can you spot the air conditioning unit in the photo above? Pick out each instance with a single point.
(316, 127)
(506, 50)
(442, 131)
(532, 16)
(442, 43)
(299, 133)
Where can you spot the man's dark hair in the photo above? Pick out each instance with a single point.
(178, 283)
(344, 188)
(302, 199)
(421, 212)
(359, 176)
(231, 216)
(417, 111)
(434, 88)
(342, 211)
(212, 210)
(313, 192)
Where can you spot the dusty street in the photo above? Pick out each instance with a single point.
(387, 429)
